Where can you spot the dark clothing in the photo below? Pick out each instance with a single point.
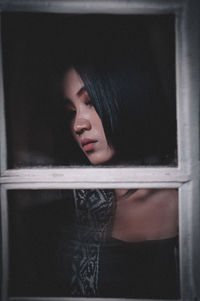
(107, 267)
(66, 250)
(146, 269)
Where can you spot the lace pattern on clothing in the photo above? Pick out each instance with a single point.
(94, 211)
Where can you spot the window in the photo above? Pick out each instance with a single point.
(45, 46)
(35, 182)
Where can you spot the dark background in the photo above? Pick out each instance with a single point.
(37, 47)
(40, 230)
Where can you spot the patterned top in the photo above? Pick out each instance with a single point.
(94, 212)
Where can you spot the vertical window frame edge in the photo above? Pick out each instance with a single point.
(187, 81)
(4, 243)
(3, 150)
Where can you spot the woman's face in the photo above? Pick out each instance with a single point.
(86, 126)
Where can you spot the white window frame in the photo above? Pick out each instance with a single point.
(185, 176)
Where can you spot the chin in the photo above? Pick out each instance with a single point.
(98, 160)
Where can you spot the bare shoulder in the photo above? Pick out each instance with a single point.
(146, 214)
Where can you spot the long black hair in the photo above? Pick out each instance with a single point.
(122, 78)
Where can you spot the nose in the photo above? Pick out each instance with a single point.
(81, 125)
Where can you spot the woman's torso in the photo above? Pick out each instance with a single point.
(127, 265)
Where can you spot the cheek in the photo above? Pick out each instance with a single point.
(97, 124)
(103, 136)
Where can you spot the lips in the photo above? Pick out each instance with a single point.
(88, 144)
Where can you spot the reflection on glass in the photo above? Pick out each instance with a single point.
(102, 93)
(94, 243)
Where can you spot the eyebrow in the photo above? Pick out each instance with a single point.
(81, 91)
(67, 101)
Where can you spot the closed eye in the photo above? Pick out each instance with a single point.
(89, 103)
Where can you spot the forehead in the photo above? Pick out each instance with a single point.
(72, 83)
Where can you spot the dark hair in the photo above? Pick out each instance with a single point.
(121, 77)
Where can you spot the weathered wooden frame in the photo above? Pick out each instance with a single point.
(185, 176)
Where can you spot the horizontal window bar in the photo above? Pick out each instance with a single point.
(86, 185)
(96, 175)
(93, 6)
(72, 299)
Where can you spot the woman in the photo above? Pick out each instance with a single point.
(126, 239)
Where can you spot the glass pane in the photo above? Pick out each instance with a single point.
(89, 89)
(94, 243)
